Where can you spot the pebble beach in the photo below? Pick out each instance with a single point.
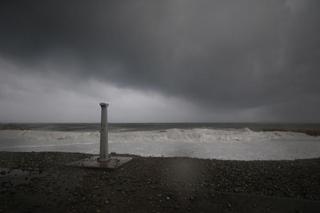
(41, 182)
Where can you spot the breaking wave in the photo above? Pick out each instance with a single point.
(233, 144)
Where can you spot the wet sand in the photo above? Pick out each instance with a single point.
(41, 182)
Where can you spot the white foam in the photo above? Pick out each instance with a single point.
(234, 144)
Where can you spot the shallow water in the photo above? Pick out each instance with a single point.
(233, 144)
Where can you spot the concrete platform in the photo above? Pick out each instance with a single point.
(112, 163)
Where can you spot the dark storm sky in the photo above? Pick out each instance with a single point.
(160, 61)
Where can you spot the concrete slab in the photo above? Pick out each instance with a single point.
(112, 163)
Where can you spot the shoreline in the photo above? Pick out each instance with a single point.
(40, 181)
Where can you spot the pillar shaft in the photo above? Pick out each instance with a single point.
(104, 132)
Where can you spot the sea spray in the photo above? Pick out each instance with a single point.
(234, 144)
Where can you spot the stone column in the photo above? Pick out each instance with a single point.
(104, 133)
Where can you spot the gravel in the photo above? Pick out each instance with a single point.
(43, 183)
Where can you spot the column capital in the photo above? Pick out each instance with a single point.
(104, 104)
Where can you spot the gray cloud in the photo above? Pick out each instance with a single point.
(227, 56)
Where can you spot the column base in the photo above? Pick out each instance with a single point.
(112, 162)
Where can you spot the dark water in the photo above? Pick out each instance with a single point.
(82, 127)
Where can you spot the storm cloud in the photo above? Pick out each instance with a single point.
(225, 60)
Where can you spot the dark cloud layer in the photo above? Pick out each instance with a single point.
(223, 54)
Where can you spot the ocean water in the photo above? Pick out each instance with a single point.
(236, 141)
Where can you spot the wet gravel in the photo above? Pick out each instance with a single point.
(41, 182)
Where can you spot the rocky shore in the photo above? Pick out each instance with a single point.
(41, 182)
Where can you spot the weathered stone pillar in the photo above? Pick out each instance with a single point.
(104, 133)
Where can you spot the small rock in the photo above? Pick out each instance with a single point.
(229, 205)
(237, 189)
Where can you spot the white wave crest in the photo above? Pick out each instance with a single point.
(235, 144)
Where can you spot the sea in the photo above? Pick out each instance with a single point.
(227, 141)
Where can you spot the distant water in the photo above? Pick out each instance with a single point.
(85, 127)
(236, 141)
